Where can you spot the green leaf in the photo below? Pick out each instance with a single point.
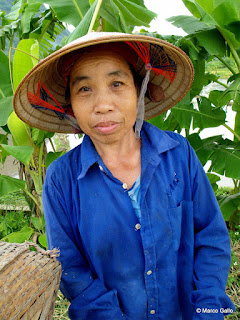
(237, 124)
(22, 153)
(215, 97)
(189, 24)
(229, 205)
(84, 25)
(199, 78)
(183, 112)
(69, 11)
(218, 12)
(37, 223)
(226, 159)
(5, 110)
(43, 240)
(31, 9)
(206, 116)
(203, 148)
(5, 82)
(20, 236)
(9, 185)
(23, 60)
(51, 156)
(232, 93)
(135, 15)
(213, 42)
(213, 178)
(38, 136)
(234, 77)
(15, 11)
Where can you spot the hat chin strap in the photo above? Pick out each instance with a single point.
(141, 103)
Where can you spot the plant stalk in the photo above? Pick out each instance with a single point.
(51, 142)
(222, 84)
(95, 15)
(233, 132)
(40, 163)
(27, 54)
(9, 59)
(233, 50)
(226, 64)
(31, 196)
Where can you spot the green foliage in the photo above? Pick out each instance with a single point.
(25, 58)
(12, 221)
(212, 41)
(9, 185)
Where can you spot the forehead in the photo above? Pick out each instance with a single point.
(89, 61)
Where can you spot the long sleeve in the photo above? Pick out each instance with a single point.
(88, 296)
(212, 249)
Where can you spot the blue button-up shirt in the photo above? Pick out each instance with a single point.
(173, 263)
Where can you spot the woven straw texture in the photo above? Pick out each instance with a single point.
(48, 72)
(29, 282)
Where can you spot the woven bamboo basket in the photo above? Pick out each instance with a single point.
(29, 282)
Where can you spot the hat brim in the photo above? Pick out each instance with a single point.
(47, 72)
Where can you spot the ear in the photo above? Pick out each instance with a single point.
(156, 93)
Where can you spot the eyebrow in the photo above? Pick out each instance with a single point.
(119, 73)
(79, 79)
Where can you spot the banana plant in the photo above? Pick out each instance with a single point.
(37, 27)
(213, 33)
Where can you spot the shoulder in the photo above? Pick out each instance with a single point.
(169, 139)
(65, 165)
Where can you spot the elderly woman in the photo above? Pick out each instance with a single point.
(139, 230)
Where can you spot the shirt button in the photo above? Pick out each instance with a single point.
(152, 311)
(149, 272)
(124, 186)
(137, 226)
(101, 168)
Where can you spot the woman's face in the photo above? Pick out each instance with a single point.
(103, 96)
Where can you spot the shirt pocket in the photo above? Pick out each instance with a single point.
(181, 222)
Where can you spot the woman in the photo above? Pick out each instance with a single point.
(139, 230)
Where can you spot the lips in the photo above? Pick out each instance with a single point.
(106, 127)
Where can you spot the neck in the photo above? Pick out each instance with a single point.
(119, 151)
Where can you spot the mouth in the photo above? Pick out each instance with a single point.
(106, 127)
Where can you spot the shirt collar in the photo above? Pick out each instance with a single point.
(152, 138)
(89, 156)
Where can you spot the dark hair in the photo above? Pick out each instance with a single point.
(136, 78)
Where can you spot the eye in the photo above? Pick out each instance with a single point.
(117, 84)
(84, 89)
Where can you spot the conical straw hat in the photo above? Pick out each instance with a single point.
(47, 71)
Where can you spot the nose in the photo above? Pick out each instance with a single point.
(103, 102)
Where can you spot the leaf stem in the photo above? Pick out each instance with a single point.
(222, 84)
(231, 130)
(51, 142)
(233, 50)
(78, 9)
(26, 53)
(31, 196)
(40, 164)
(9, 60)
(1, 92)
(44, 30)
(96, 11)
(226, 64)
